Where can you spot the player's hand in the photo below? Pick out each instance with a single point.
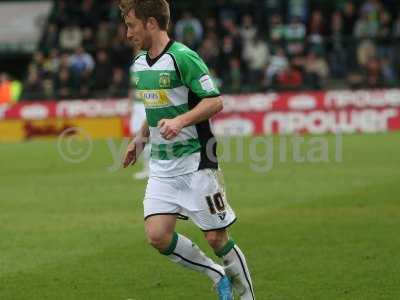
(170, 128)
(134, 149)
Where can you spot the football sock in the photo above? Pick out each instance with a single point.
(236, 269)
(184, 252)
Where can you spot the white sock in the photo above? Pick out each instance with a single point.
(187, 254)
(236, 269)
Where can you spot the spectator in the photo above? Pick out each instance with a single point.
(37, 63)
(229, 50)
(88, 40)
(295, 37)
(119, 84)
(52, 63)
(316, 25)
(365, 52)
(277, 32)
(297, 8)
(64, 85)
(210, 51)
(113, 12)
(16, 90)
(233, 78)
(371, 8)
(374, 77)
(50, 38)
(64, 61)
(211, 26)
(316, 69)
(101, 74)
(396, 40)
(365, 27)
(316, 31)
(81, 63)
(70, 37)
(59, 15)
(278, 63)
(189, 30)
(84, 91)
(349, 18)
(248, 30)
(396, 28)
(121, 51)
(33, 88)
(103, 35)
(5, 89)
(289, 79)
(88, 14)
(48, 89)
(337, 53)
(230, 29)
(256, 55)
(389, 73)
(385, 35)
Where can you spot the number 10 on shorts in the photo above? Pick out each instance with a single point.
(216, 203)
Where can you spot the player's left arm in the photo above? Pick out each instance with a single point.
(205, 110)
(195, 76)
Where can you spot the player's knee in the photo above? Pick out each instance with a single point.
(216, 239)
(159, 240)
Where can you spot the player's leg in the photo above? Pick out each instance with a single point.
(207, 206)
(160, 230)
(160, 220)
(234, 261)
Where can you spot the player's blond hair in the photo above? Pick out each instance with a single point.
(145, 9)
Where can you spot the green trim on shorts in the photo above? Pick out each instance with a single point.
(171, 247)
(226, 249)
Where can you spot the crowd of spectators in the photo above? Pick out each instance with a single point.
(84, 52)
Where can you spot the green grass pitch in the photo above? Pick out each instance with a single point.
(309, 230)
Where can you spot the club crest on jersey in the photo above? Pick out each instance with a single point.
(165, 80)
(134, 80)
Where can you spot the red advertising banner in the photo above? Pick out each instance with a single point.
(314, 122)
(292, 112)
(67, 109)
(294, 101)
(310, 112)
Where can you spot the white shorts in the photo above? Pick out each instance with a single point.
(199, 196)
(137, 118)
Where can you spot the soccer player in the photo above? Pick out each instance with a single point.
(180, 98)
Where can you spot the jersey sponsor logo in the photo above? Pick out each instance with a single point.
(206, 83)
(165, 80)
(154, 98)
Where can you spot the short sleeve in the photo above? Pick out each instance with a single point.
(196, 76)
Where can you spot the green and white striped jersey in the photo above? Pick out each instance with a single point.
(170, 85)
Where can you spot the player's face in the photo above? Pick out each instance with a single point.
(137, 32)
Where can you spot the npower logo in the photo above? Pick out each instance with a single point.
(233, 126)
(302, 102)
(34, 112)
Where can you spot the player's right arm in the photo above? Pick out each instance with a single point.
(136, 146)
